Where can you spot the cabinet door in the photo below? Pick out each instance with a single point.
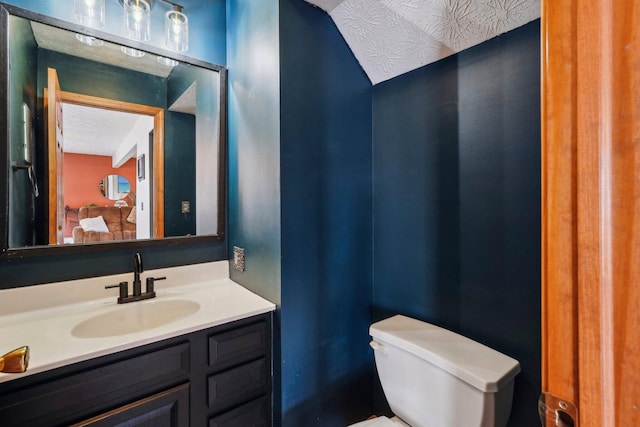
(252, 414)
(167, 409)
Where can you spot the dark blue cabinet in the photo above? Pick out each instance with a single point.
(219, 376)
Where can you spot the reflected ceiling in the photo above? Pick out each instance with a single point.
(392, 37)
(57, 40)
(96, 131)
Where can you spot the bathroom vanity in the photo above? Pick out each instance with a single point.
(209, 367)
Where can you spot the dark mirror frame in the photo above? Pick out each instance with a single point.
(24, 252)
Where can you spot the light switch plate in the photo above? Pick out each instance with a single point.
(186, 206)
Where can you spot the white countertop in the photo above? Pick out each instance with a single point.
(43, 316)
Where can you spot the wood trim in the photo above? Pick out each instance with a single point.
(51, 165)
(51, 104)
(158, 174)
(158, 144)
(559, 201)
(109, 104)
(609, 208)
(591, 208)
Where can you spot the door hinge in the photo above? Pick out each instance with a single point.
(555, 411)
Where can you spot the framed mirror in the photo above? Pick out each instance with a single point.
(116, 188)
(85, 108)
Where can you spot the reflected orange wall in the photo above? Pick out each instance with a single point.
(83, 172)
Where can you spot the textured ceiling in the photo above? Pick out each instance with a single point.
(96, 131)
(392, 37)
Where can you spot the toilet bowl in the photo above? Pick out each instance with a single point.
(433, 377)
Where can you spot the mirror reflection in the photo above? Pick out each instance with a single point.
(115, 187)
(111, 131)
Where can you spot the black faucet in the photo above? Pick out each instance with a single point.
(137, 284)
(137, 269)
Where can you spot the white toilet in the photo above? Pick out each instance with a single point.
(433, 377)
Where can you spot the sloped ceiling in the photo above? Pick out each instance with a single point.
(392, 37)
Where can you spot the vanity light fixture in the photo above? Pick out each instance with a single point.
(137, 15)
(176, 27)
(89, 13)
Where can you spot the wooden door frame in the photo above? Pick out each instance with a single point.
(158, 143)
(54, 156)
(591, 208)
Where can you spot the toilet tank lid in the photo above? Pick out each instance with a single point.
(476, 364)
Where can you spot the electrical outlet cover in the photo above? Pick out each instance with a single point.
(238, 258)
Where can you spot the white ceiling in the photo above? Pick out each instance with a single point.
(392, 37)
(96, 131)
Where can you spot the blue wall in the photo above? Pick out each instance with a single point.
(22, 89)
(300, 202)
(456, 153)
(254, 153)
(207, 21)
(179, 173)
(254, 142)
(325, 156)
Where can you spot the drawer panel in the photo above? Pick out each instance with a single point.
(238, 345)
(252, 414)
(238, 385)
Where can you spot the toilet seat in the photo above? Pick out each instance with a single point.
(381, 422)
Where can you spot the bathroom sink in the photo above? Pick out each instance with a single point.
(135, 317)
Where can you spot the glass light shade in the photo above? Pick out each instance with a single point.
(88, 40)
(176, 26)
(90, 13)
(137, 15)
(135, 53)
(167, 61)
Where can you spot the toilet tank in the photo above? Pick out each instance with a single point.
(433, 377)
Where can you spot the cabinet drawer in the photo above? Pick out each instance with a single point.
(169, 408)
(83, 394)
(252, 414)
(238, 385)
(238, 345)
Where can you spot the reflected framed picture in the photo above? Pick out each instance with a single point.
(141, 167)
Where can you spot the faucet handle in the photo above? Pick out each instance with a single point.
(151, 281)
(124, 289)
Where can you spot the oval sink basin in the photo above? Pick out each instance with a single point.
(135, 317)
